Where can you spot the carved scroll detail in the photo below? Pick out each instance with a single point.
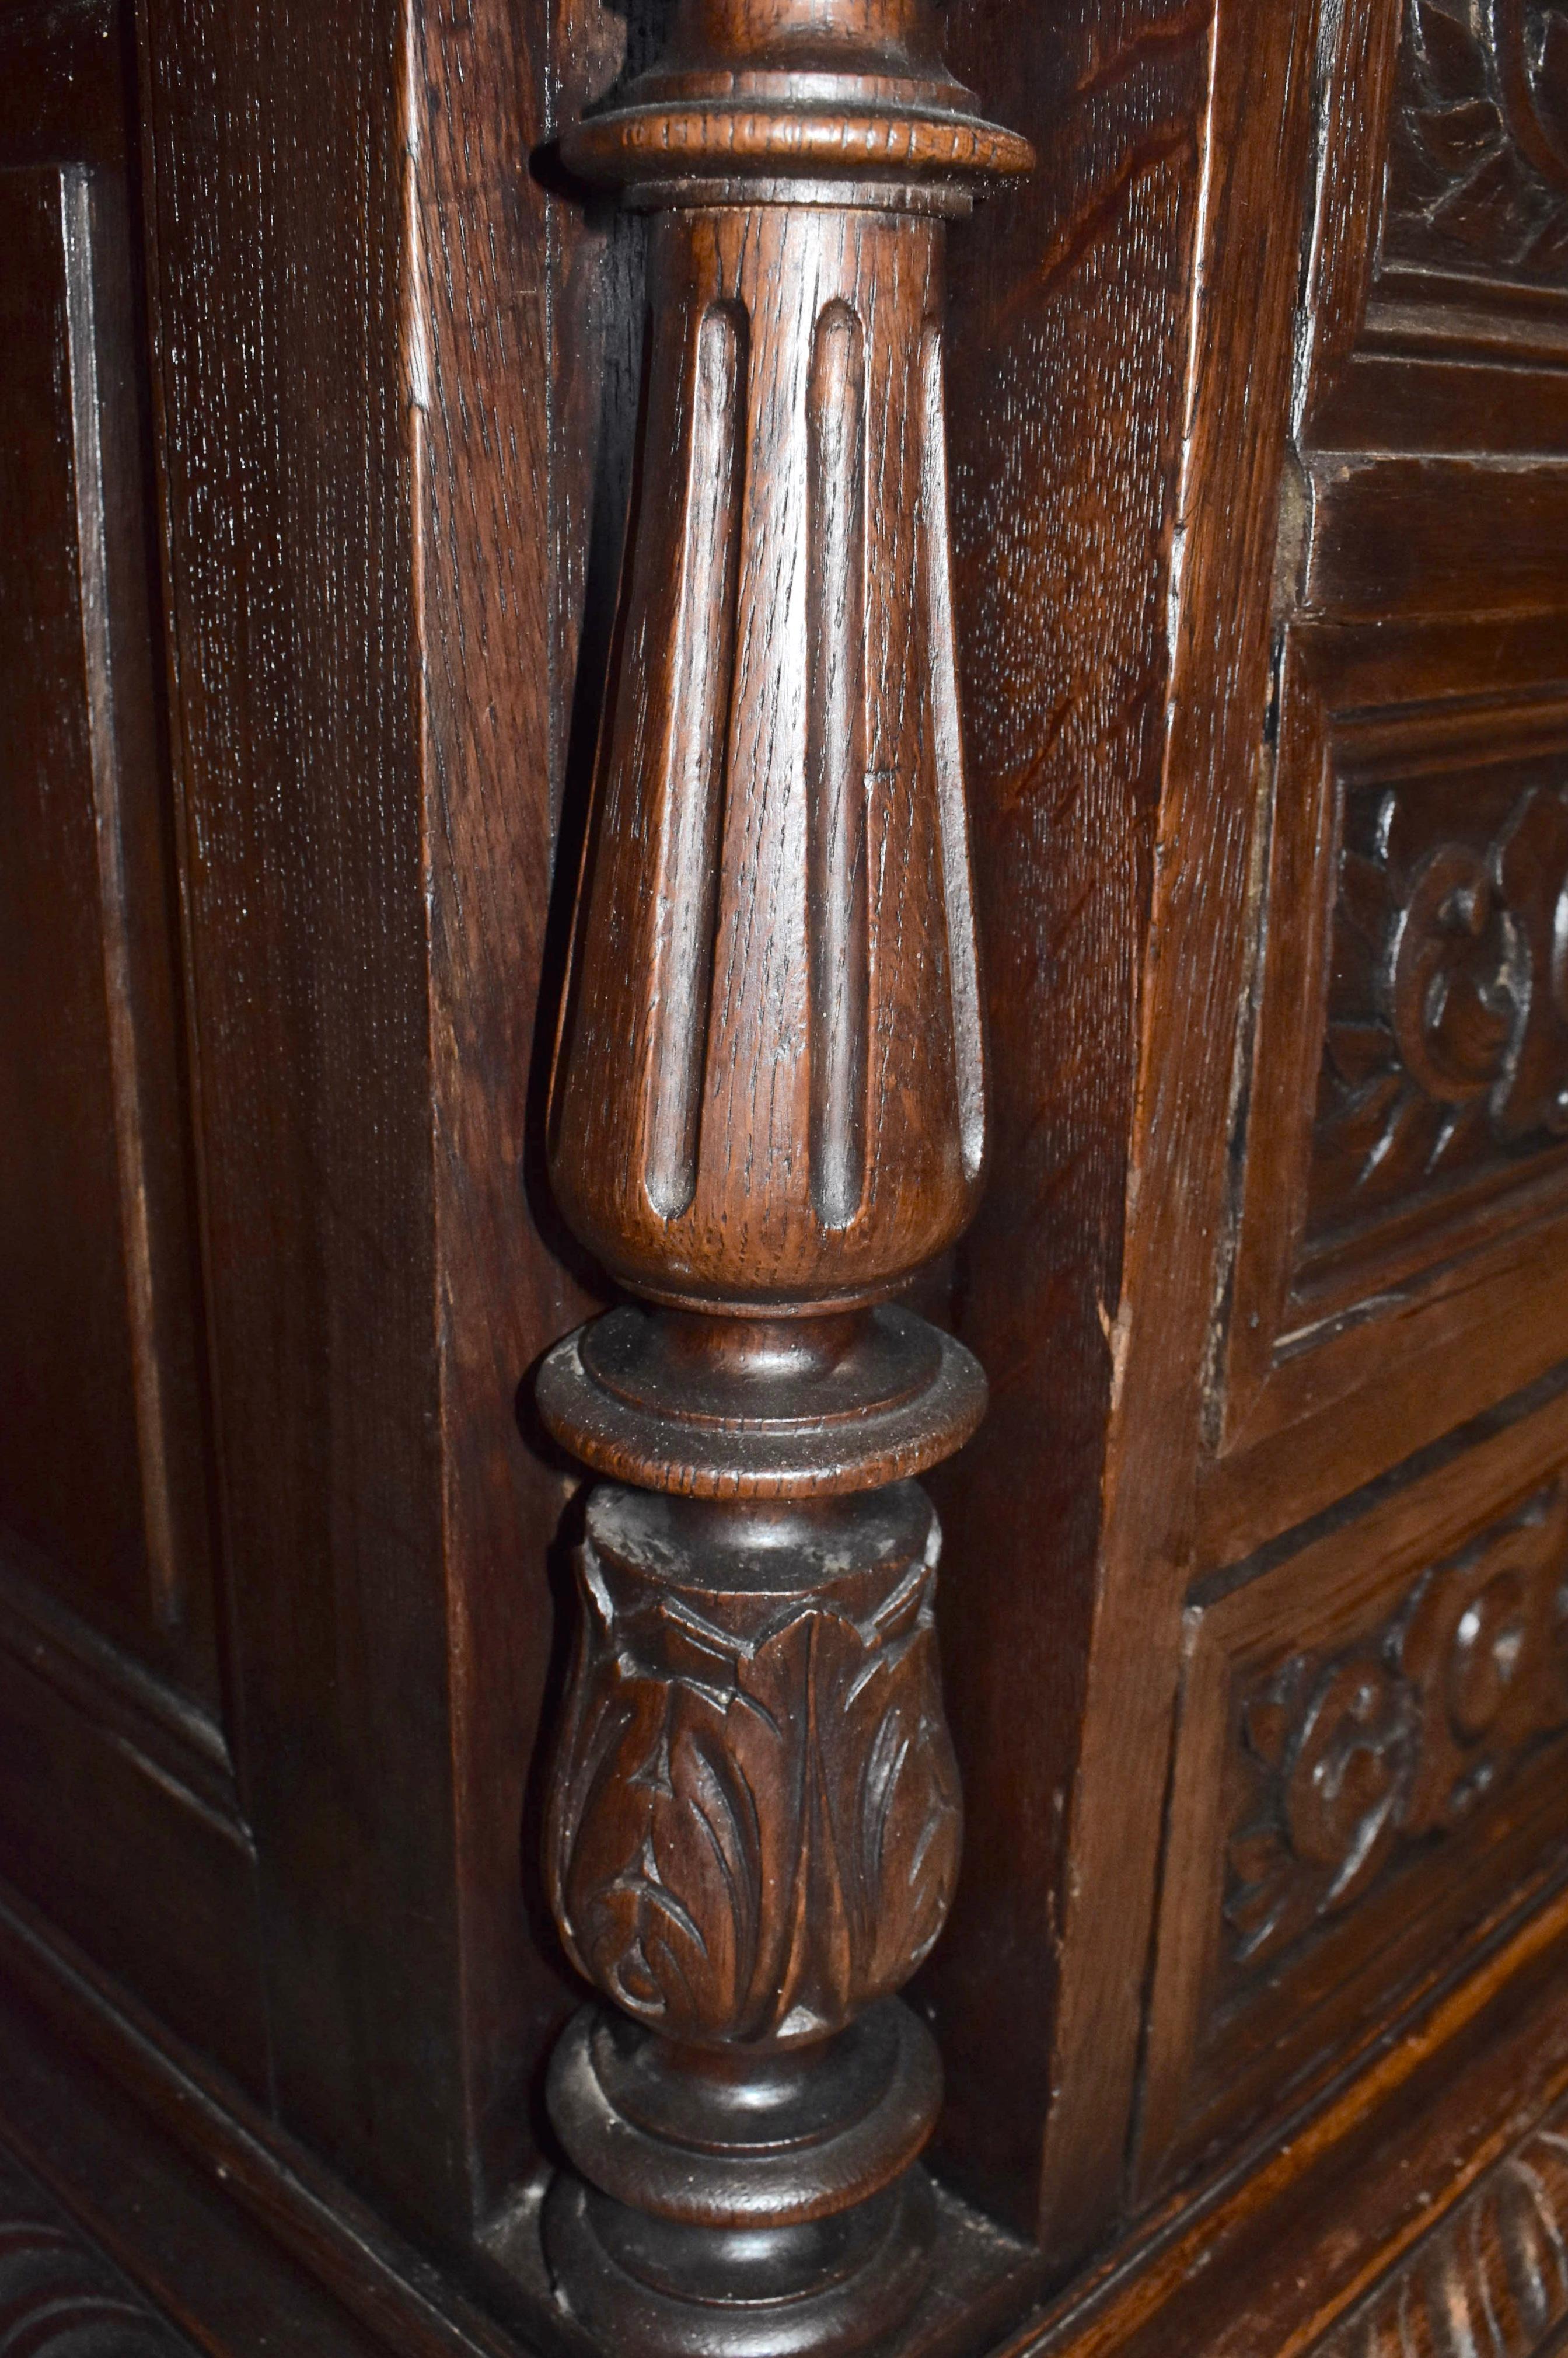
(1448, 1013)
(60, 2298)
(1404, 1734)
(1480, 171)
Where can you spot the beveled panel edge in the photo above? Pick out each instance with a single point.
(1313, 2214)
(97, 1677)
(106, 2080)
(116, 2115)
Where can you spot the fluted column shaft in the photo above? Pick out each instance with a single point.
(767, 1112)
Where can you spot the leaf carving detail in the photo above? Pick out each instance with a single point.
(755, 1835)
(1481, 145)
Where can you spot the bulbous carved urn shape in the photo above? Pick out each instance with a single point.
(757, 1827)
(767, 1112)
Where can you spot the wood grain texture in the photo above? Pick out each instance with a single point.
(1445, 1047)
(285, 435)
(257, 2239)
(498, 470)
(1325, 1230)
(371, 751)
(1479, 146)
(116, 1762)
(1295, 2240)
(78, 1323)
(1445, 541)
(1238, 113)
(1070, 330)
(764, 1010)
(1197, 550)
(1280, 2250)
(1491, 2278)
(767, 1112)
(100, 1319)
(1363, 1311)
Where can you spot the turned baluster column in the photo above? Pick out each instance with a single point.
(768, 1111)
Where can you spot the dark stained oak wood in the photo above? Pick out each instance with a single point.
(1388, 1304)
(1097, 666)
(57, 2295)
(767, 1113)
(367, 781)
(115, 1761)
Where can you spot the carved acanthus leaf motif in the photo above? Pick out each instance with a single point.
(757, 1814)
(1402, 1733)
(767, 1114)
(1481, 136)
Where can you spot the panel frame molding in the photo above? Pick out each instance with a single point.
(1309, 1327)
(1317, 1600)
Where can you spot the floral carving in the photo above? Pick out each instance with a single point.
(757, 1825)
(1404, 1733)
(1447, 1035)
(1480, 148)
(1340, 1744)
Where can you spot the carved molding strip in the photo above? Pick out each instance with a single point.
(1490, 2280)
(58, 2297)
(1401, 1736)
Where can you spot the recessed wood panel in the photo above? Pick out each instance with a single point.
(100, 1471)
(152, 1880)
(1438, 319)
(118, 1807)
(1445, 1045)
(1437, 535)
(1406, 1166)
(1369, 1762)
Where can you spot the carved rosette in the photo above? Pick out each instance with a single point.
(1404, 1734)
(1447, 1039)
(767, 1112)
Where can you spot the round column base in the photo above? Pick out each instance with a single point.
(820, 2289)
(763, 2201)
